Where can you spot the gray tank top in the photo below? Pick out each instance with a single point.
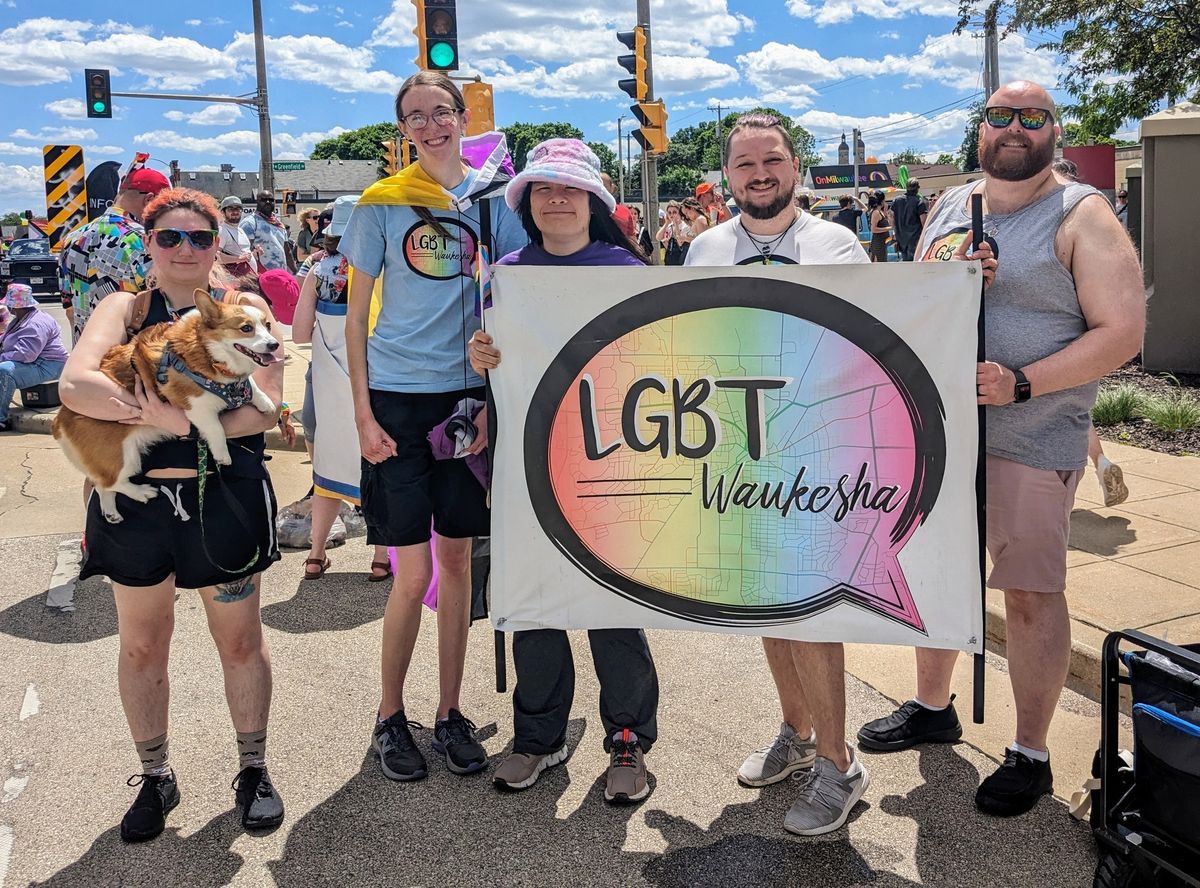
(1031, 311)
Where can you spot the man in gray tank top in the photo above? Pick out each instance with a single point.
(1066, 306)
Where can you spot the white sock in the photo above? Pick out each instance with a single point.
(925, 705)
(1038, 755)
(1102, 465)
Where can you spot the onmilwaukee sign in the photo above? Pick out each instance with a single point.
(870, 175)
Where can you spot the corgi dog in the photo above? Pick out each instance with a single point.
(201, 363)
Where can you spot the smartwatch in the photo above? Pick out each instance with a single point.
(1022, 390)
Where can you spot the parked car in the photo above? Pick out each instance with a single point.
(29, 261)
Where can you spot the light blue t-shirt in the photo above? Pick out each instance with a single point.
(428, 313)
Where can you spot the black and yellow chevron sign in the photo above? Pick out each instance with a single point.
(66, 190)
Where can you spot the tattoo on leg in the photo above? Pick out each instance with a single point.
(235, 591)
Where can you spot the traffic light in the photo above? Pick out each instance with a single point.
(653, 133)
(635, 63)
(99, 92)
(437, 35)
(478, 96)
(390, 161)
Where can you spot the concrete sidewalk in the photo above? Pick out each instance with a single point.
(1136, 566)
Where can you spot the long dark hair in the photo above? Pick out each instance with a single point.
(601, 227)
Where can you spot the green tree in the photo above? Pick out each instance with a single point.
(608, 158)
(13, 218)
(968, 152)
(947, 158)
(364, 143)
(523, 136)
(908, 155)
(1151, 46)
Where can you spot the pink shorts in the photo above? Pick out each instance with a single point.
(1028, 523)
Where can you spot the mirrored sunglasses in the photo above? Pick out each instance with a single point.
(170, 238)
(1031, 118)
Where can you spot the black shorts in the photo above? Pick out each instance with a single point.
(163, 537)
(403, 495)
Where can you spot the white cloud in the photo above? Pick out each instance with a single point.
(831, 12)
(284, 146)
(889, 35)
(193, 23)
(21, 187)
(68, 109)
(345, 24)
(223, 114)
(305, 8)
(67, 135)
(283, 118)
(12, 148)
(316, 59)
(884, 135)
(53, 49)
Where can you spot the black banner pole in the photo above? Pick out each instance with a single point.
(980, 474)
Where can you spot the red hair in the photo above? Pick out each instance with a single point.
(181, 199)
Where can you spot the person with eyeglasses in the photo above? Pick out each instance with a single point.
(108, 254)
(206, 527)
(1065, 306)
(417, 234)
(267, 235)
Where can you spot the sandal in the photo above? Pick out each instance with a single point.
(384, 566)
(322, 566)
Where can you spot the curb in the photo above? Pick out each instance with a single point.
(38, 422)
(1083, 672)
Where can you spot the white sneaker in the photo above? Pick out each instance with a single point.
(826, 797)
(778, 761)
(1112, 482)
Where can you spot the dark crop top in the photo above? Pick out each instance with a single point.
(248, 453)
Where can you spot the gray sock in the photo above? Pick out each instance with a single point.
(154, 755)
(252, 749)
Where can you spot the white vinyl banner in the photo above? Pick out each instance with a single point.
(786, 451)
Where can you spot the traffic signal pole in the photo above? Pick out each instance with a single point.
(649, 161)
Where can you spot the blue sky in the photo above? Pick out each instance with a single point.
(893, 67)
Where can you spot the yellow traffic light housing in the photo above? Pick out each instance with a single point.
(653, 133)
(390, 161)
(635, 63)
(478, 96)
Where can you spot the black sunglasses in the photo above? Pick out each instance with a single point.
(170, 238)
(1031, 118)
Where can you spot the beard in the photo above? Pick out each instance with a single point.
(745, 201)
(1036, 159)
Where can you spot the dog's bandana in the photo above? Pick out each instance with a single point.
(234, 394)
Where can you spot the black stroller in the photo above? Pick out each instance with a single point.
(1146, 819)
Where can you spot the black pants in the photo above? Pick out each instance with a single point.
(546, 687)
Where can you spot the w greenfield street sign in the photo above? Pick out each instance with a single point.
(283, 166)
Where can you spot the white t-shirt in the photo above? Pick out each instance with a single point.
(234, 242)
(810, 241)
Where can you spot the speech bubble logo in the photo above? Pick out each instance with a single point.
(738, 452)
(437, 257)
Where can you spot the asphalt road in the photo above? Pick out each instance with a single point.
(66, 754)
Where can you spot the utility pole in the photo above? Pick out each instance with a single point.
(620, 164)
(267, 176)
(649, 161)
(991, 52)
(720, 144)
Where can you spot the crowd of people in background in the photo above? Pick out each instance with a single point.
(413, 359)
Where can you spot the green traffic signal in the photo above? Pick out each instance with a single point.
(441, 55)
(98, 107)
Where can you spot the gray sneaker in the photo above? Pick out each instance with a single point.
(776, 762)
(826, 797)
(520, 770)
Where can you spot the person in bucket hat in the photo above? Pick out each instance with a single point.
(31, 350)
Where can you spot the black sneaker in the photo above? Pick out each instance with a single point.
(262, 808)
(399, 757)
(155, 800)
(1015, 786)
(909, 725)
(454, 737)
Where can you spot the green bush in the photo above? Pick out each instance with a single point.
(1177, 411)
(1114, 405)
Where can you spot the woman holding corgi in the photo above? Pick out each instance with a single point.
(213, 531)
(420, 230)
